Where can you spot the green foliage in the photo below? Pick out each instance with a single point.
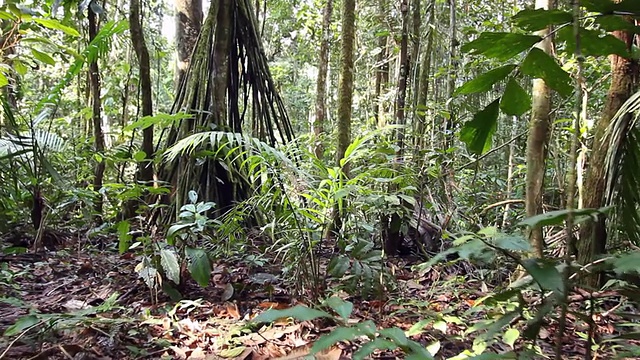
(384, 339)
(478, 132)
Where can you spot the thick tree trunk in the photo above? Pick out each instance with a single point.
(188, 26)
(321, 86)
(94, 84)
(537, 142)
(624, 81)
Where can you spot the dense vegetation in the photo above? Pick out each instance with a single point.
(340, 179)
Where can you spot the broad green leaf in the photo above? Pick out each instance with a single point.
(124, 238)
(139, 155)
(515, 100)
(485, 81)
(170, 265)
(477, 133)
(56, 25)
(42, 57)
(366, 328)
(377, 344)
(199, 266)
(538, 19)
(20, 67)
(593, 43)
(513, 243)
(539, 64)
(21, 325)
(162, 120)
(298, 312)
(510, 336)
(615, 22)
(341, 307)
(418, 328)
(545, 274)
(434, 348)
(338, 266)
(601, 6)
(557, 217)
(500, 45)
(627, 263)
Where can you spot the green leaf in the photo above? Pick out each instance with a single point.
(232, 352)
(338, 266)
(485, 81)
(601, 6)
(199, 266)
(593, 43)
(515, 100)
(124, 238)
(3, 80)
(56, 25)
(366, 328)
(538, 19)
(627, 263)
(510, 336)
(377, 344)
(513, 243)
(477, 133)
(42, 57)
(170, 265)
(557, 217)
(614, 22)
(139, 156)
(162, 120)
(500, 45)
(545, 274)
(341, 307)
(21, 325)
(298, 312)
(539, 64)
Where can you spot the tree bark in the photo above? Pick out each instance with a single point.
(624, 81)
(188, 26)
(94, 84)
(537, 142)
(321, 85)
(382, 68)
(345, 86)
(145, 168)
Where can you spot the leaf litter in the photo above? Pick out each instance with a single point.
(66, 304)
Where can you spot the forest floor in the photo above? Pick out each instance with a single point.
(91, 304)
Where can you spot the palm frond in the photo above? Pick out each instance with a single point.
(623, 167)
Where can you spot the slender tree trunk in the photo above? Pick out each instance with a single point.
(321, 86)
(145, 168)
(382, 68)
(8, 44)
(537, 142)
(624, 81)
(94, 84)
(510, 166)
(188, 25)
(448, 170)
(423, 84)
(345, 85)
(393, 236)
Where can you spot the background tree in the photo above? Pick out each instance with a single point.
(188, 24)
(537, 140)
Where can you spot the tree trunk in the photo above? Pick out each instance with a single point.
(321, 86)
(94, 84)
(345, 86)
(393, 236)
(447, 167)
(537, 142)
(624, 81)
(188, 25)
(145, 168)
(423, 85)
(382, 69)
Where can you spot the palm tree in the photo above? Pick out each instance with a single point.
(227, 82)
